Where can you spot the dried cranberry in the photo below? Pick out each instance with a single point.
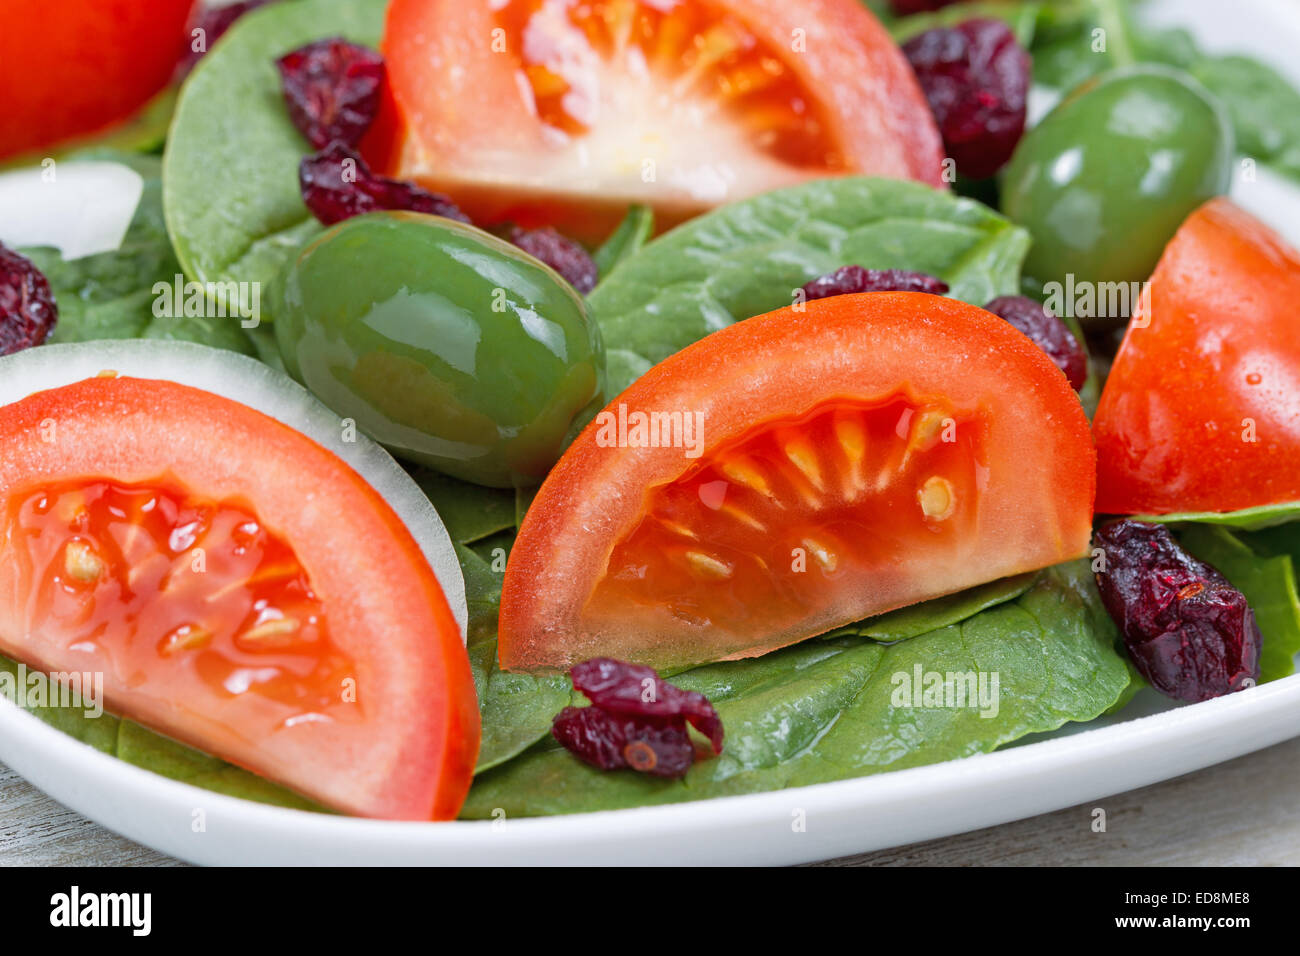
(337, 184)
(636, 719)
(27, 308)
(332, 89)
(905, 8)
(849, 279)
(1046, 331)
(562, 254)
(976, 78)
(214, 22)
(1189, 632)
(636, 691)
(610, 741)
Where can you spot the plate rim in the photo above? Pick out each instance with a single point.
(1234, 725)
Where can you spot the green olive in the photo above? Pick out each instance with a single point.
(452, 348)
(1105, 180)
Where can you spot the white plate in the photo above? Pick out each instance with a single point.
(1076, 765)
(834, 819)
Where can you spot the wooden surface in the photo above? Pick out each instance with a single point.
(1244, 812)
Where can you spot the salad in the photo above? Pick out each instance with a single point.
(425, 410)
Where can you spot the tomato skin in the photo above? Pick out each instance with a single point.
(459, 111)
(1218, 365)
(412, 756)
(1034, 508)
(73, 66)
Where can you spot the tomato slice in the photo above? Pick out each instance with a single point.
(1201, 411)
(72, 66)
(566, 111)
(836, 460)
(240, 588)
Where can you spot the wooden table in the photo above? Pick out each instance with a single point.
(1246, 811)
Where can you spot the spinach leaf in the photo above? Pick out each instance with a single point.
(940, 612)
(1275, 540)
(1263, 106)
(1021, 17)
(142, 747)
(749, 257)
(523, 501)
(1269, 584)
(482, 593)
(1076, 41)
(1247, 519)
(517, 709)
(829, 710)
(110, 295)
(230, 181)
(470, 512)
(626, 240)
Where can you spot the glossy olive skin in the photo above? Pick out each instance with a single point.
(1105, 180)
(451, 347)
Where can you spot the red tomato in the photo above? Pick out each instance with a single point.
(566, 111)
(1201, 411)
(73, 66)
(865, 453)
(240, 588)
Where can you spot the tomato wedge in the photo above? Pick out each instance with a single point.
(73, 66)
(566, 111)
(1201, 411)
(838, 460)
(240, 588)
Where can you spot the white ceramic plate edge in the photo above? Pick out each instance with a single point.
(840, 818)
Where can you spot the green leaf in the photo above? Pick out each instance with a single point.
(1263, 105)
(1275, 540)
(1064, 50)
(1268, 583)
(1021, 17)
(482, 594)
(265, 347)
(470, 512)
(523, 501)
(626, 240)
(140, 746)
(939, 612)
(517, 709)
(230, 181)
(111, 295)
(1247, 519)
(829, 710)
(749, 257)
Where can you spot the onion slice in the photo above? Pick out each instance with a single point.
(80, 207)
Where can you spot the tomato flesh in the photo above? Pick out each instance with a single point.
(1201, 409)
(709, 60)
(855, 454)
(148, 572)
(74, 66)
(572, 109)
(778, 516)
(240, 588)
